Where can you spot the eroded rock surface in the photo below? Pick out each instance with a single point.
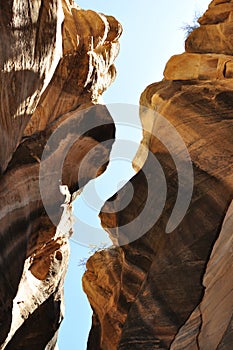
(31, 47)
(55, 64)
(174, 291)
(212, 328)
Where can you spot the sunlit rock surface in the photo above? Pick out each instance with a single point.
(56, 61)
(174, 290)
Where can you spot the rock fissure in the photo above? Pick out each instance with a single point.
(199, 330)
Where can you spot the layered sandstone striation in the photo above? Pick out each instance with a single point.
(156, 290)
(175, 290)
(56, 60)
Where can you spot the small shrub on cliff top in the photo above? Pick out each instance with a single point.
(93, 249)
(189, 28)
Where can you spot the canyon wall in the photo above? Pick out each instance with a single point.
(56, 61)
(159, 288)
(174, 290)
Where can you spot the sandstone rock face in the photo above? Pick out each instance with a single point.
(213, 326)
(216, 27)
(90, 42)
(31, 47)
(174, 291)
(55, 63)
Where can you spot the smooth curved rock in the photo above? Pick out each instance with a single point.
(169, 288)
(30, 49)
(211, 323)
(52, 74)
(86, 69)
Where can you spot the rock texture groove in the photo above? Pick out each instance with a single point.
(175, 291)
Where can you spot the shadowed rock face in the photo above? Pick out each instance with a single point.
(55, 63)
(175, 291)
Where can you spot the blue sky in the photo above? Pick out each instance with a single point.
(151, 36)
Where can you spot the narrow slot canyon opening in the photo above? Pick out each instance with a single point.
(131, 204)
(89, 235)
(143, 55)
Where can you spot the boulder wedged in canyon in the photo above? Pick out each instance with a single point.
(174, 290)
(55, 64)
